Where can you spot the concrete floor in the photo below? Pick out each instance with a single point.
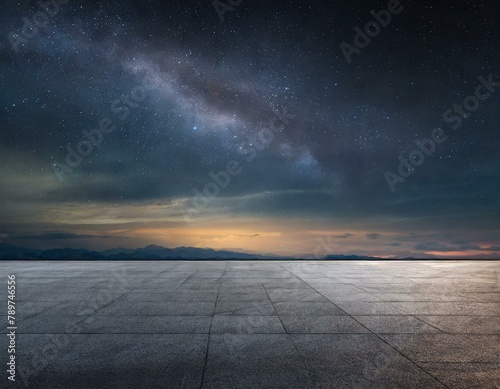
(252, 324)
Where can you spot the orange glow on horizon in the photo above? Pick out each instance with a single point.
(459, 253)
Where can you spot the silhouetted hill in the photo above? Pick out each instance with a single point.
(148, 252)
(348, 257)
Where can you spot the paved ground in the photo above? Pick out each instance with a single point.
(254, 324)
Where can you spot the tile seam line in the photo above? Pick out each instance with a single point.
(391, 346)
(101, 307)
(429, 324)
(202, 379)
(119, 297)
(287, 334)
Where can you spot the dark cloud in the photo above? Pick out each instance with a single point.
(343, 236)
(436, 246)
(433, 246)
(57, 236)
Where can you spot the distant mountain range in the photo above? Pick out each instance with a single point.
(149, 252)
(153, 252)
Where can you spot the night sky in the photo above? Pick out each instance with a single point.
(117, 116)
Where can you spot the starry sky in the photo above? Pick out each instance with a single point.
(257, 127)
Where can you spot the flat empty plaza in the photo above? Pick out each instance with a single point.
(254, 324)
